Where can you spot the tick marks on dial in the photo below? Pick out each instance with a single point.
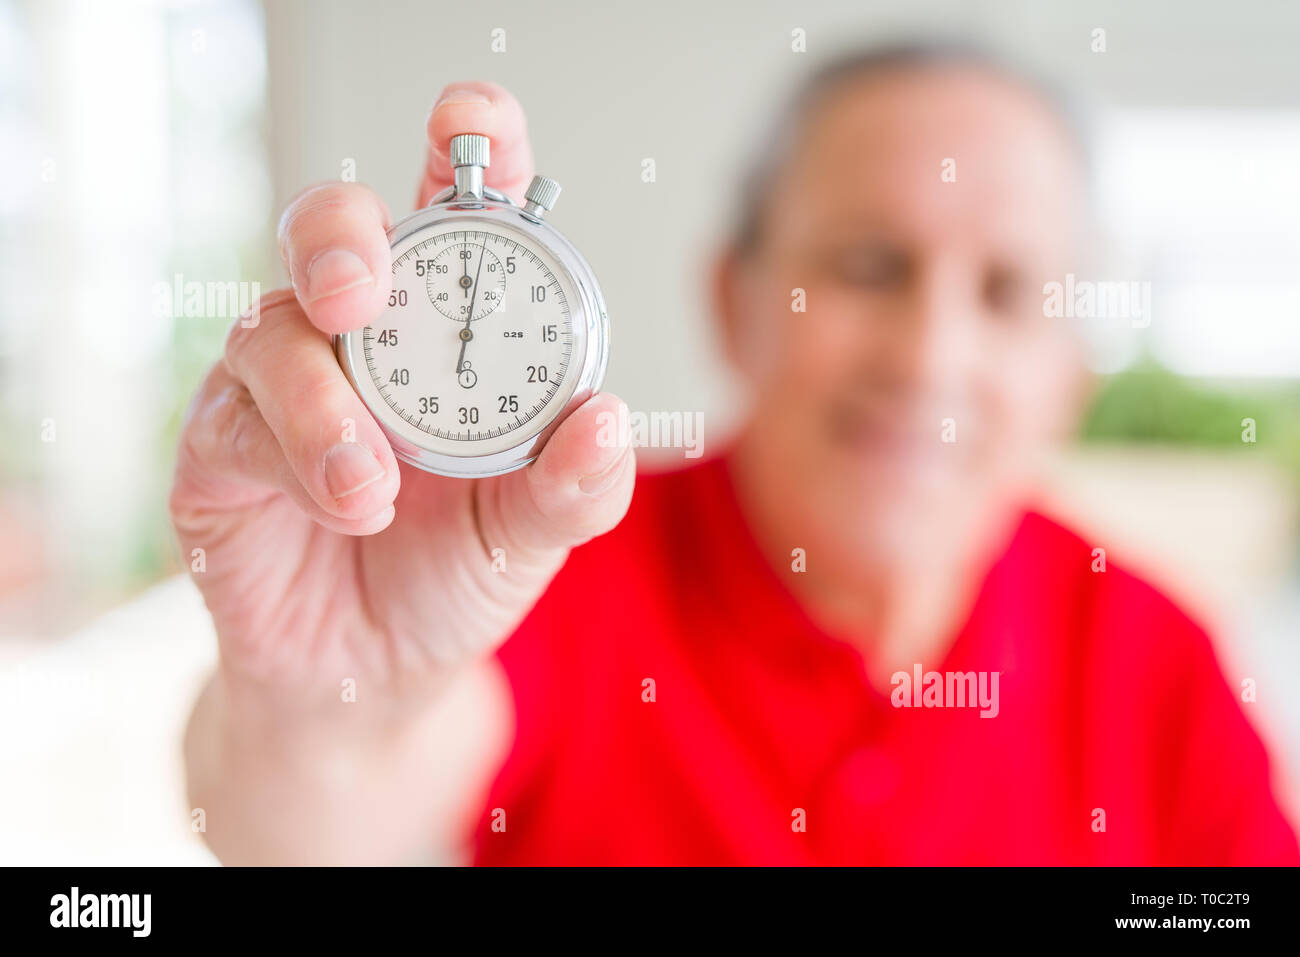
(415, 342)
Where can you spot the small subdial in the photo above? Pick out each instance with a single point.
(466, 281)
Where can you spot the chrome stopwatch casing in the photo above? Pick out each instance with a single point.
(485, 215)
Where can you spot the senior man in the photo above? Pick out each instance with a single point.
(761, 661)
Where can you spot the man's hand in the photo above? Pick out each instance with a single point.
(325, 560)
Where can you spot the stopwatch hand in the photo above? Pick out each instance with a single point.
(473, 296)
(465, 337)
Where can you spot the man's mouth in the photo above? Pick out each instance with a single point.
(901, 445)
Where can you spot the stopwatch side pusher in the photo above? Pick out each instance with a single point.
(469, 202)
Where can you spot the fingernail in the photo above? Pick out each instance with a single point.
(606, 477)
(334, 271)
(462, 94)
(349, 468)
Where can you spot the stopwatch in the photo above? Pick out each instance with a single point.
(495, 329)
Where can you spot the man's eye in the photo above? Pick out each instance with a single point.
(1005, 292)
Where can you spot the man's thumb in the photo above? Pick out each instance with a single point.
(579, 487)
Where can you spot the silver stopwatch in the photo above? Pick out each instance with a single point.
(495, 328)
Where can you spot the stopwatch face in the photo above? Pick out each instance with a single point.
(479, 350)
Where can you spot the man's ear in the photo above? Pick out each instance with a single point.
(726, 291)
(1078, 388)
(1084, 387)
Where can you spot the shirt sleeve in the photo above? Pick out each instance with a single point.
(1225, 811)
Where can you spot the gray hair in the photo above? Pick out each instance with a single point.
(860, 64)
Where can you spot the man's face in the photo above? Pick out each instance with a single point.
(921, 215)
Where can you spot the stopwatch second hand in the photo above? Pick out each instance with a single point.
(466, 334)
(465, 337)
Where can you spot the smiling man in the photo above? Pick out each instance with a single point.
(707, 678)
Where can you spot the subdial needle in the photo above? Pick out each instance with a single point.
(466, 334)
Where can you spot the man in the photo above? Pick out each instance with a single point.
(845, 640)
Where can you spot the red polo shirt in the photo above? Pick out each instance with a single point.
(765, 744)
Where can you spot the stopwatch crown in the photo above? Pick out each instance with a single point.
(541, 195)
(469, 149)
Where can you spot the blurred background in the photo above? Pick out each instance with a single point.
(147, 146)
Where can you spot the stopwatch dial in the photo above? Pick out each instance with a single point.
(500, 365)
(465, 281)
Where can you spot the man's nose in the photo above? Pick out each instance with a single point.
(931, 344)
